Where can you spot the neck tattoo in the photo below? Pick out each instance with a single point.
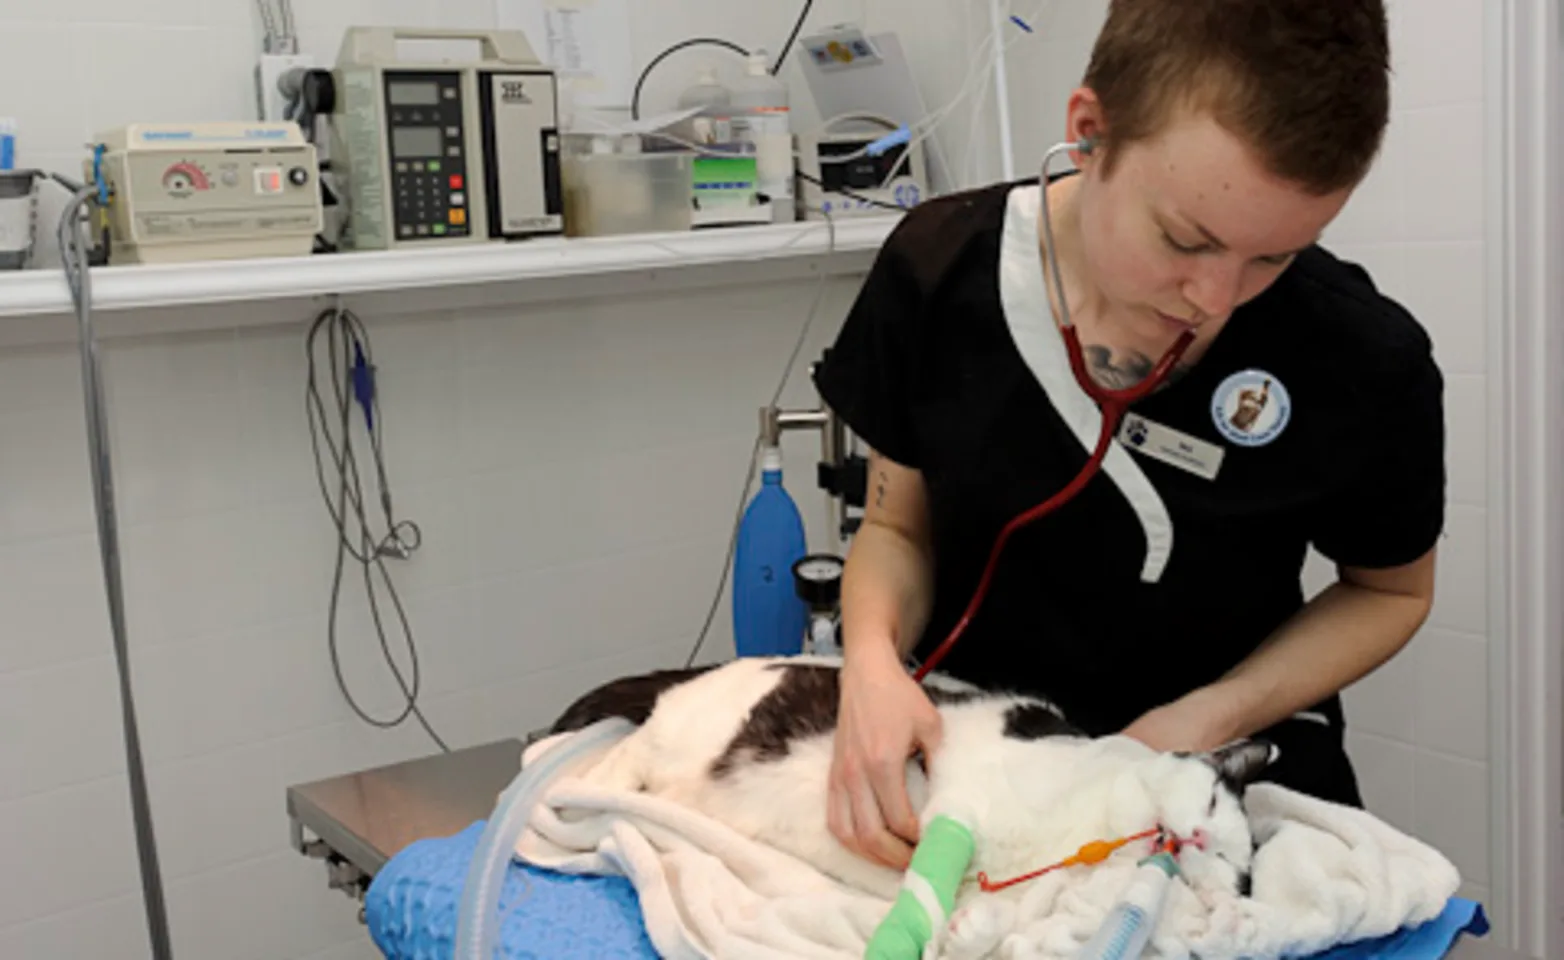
(1126, 369)
(1113, 372)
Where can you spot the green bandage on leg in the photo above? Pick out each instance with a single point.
(943, 855)
(928, 893)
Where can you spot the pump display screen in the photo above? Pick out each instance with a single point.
(426, 136)
(415, 141)
(414, 94)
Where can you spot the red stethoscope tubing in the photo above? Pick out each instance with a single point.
(1113, 404)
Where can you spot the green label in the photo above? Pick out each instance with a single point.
(725, 180)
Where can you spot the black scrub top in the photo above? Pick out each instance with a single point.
(1322, 396)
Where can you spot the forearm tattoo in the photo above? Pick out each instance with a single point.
(879, 490)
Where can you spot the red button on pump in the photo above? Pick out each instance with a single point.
(456, 181)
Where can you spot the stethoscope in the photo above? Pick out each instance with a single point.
(1112, 403)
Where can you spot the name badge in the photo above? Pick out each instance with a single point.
(1171, 446)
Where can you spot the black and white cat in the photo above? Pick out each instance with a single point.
(749, 744)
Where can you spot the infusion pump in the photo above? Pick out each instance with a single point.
(437, 151)
(840, 176)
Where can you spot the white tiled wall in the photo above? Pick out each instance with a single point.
(1419, 733)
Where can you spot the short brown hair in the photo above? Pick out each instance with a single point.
(1305, 83)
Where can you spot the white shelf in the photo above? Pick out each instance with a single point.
(42, 292)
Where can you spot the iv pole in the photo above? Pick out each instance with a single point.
(996, 19)
(74, 251)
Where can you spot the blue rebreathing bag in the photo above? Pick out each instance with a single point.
(769, 619)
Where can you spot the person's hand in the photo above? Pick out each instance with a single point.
(1197, 722)
(884, 717)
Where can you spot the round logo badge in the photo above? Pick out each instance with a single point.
(1251, 408)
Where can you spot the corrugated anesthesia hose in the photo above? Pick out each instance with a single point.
(478, 921)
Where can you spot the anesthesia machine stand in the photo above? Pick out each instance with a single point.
(786, 600)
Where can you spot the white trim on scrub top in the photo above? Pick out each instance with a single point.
(1029, 316)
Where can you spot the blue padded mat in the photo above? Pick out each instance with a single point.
(411, 908)
(411, 911)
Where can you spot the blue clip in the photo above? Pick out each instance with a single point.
(1021, 23)
(97, 175)
(888, 141)
(364, 385)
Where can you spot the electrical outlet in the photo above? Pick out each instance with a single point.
(270, 103)
(841, 47)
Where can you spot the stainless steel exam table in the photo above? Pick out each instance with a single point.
(358, 821)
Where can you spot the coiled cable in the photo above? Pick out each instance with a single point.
(350, 361)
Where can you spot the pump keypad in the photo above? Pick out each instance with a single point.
(428, 156)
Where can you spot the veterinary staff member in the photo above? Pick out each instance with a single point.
(1164, 601)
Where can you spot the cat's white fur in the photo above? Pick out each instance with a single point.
(1030, 803)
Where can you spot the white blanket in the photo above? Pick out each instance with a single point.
(1324, 875)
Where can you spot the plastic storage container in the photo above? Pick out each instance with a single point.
(759, 113)
(18, 217)
(611, 187)
(768, 617)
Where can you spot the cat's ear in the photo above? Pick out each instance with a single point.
(1241, 762)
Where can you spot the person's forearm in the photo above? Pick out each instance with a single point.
(886, 589)
(1338, 638)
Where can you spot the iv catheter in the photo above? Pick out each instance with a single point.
(1112, 403)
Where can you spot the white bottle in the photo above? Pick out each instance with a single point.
(761, 116)
(711, 124)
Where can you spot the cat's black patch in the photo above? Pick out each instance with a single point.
(1030, 720)
(1238, 764)
(802, 704)
(629, 697)
(1246, 877)
(1241, 763)
(942, 697)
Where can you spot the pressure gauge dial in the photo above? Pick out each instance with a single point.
(184, 178)
(817, 579)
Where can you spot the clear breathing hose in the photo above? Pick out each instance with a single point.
(478, 919)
